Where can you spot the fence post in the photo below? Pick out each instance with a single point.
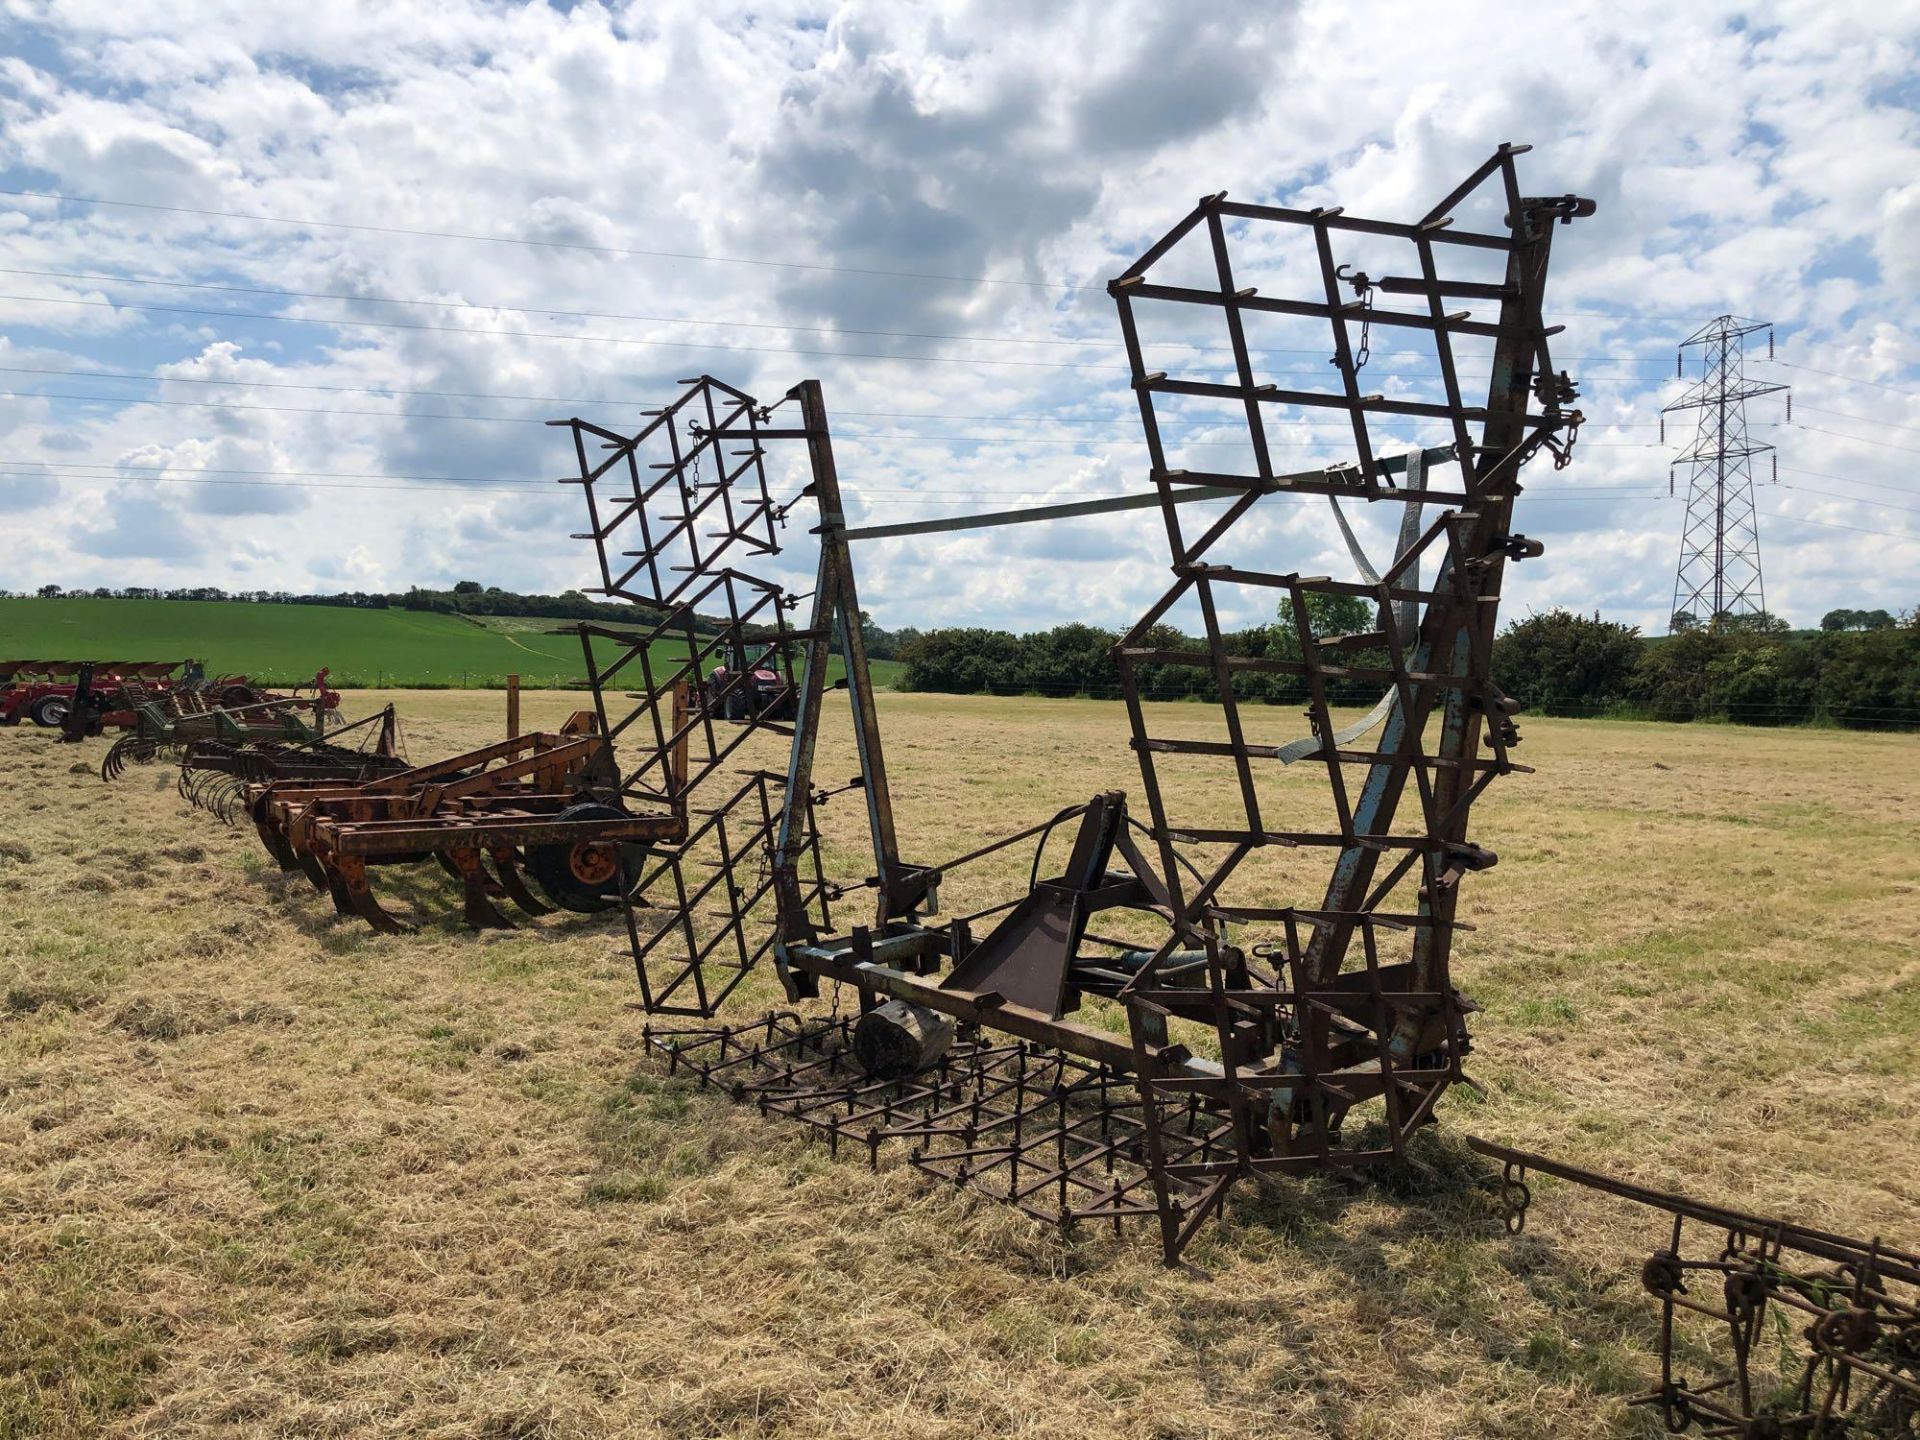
(513, 707)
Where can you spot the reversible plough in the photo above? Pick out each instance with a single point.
(86, 698)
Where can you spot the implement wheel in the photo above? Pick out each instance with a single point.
(49, 711)
(590, 875)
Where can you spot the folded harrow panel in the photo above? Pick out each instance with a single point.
(674, 509)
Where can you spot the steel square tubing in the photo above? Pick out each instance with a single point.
(392, 837)
(1326, 399)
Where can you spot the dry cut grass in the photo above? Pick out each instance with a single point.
(265, 1173)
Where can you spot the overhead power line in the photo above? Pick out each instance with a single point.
(845, 435)
(632, 251)
(1851, 379)
(554, 335)
(1832, 525)
(574, 337)
(563, 314)
(1846, 479)
(1858, 439)
(1124, 421)
(1852, 499)
(577, 245)
(513, 487)
(1863, 419)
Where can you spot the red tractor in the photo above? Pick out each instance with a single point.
(762, 694)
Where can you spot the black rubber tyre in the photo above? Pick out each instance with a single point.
(232, 697)
(587, 877)
(49, 711)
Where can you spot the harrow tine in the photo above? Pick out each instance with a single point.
(118, 757)
(214, 794)
(515, 884)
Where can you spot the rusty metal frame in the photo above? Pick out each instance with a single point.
(1268, 1047)
(479, 815)
(1858, 1364)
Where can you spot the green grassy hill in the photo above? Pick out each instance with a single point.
(286, 643)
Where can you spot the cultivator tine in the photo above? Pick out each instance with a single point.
(277, 847)
(316, 872)
(506, 864)
(336, 888)
(276, 843)
(349, 876)
(480, 887)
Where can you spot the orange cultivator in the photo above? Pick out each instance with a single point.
(545, 805)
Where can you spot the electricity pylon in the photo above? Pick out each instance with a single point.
(1719, 572)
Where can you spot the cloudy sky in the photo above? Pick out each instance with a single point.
(357, 253)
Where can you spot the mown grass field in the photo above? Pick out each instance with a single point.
(263, 1172)
(287, 643)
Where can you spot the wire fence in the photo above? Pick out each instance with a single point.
(1852, 717)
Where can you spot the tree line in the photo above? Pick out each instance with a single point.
(1860, 668)
(1857, 670)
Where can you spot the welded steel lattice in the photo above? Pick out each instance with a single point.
(674, 509)
(1254, 1029)
(1349, 999)
(1768, 1328)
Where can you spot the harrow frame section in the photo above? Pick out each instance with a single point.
(1743, 1279)
(1058, 1137)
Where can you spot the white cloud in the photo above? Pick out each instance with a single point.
(1756, 163)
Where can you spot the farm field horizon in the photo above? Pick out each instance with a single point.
(264, 1171)
(286, 644)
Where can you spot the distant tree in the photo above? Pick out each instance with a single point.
(1836, 620)
(1328, 615)
(468, 587)
(1562, 661)
(49, 592)
(1682, 622)
(1758, 622)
